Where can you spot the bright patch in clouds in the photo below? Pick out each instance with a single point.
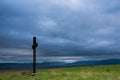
(48, 24)
(72, 4)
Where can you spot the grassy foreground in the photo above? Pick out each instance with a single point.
(110, 72)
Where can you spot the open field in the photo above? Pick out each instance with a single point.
(110, 72)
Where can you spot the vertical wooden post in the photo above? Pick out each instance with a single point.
(34, 46)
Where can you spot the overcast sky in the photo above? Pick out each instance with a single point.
(66, 30)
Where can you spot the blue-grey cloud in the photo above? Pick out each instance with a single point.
(63, 28)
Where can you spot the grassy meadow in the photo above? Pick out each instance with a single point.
(108, 72)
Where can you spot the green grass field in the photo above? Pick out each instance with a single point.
(110, 72)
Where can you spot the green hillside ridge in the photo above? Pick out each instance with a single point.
(108, 72)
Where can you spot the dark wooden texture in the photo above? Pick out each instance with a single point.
(34, 46)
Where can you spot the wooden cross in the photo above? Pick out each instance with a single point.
(34, 46)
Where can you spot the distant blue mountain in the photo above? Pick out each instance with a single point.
(96, 62)
(4, 66)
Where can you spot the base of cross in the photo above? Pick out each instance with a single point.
(33, 74)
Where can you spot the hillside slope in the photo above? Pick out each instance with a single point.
(110, 72)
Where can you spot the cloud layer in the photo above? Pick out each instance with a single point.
(71, 28)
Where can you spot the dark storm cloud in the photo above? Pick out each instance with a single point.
(86, 28)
